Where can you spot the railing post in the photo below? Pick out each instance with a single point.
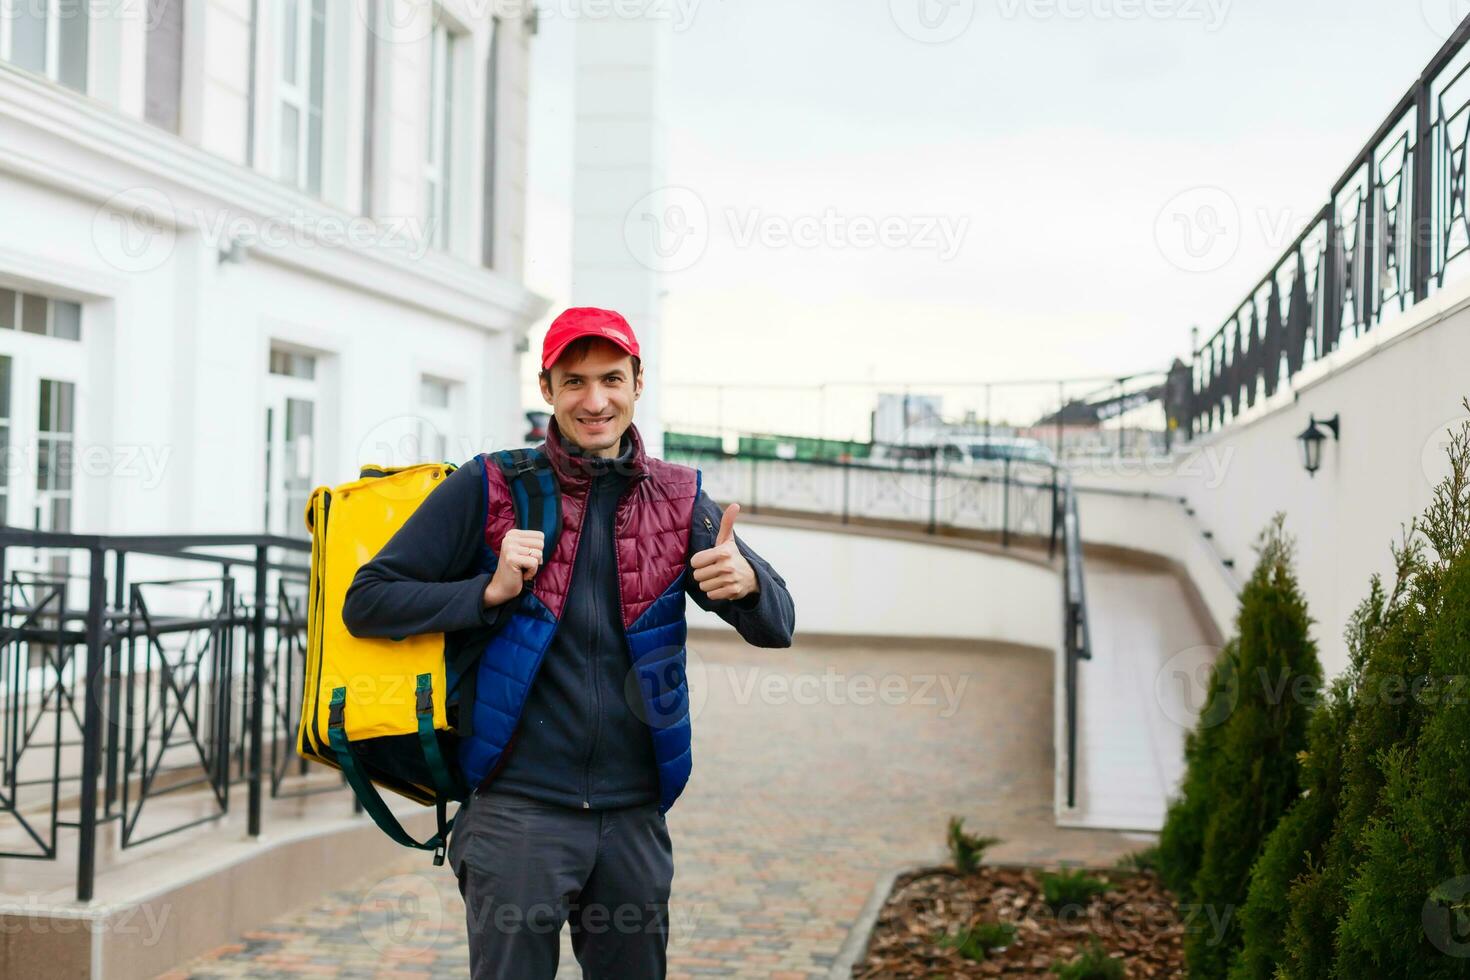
(1331, 284)
(257, 690)
(114, 685)
(91, 725)
(1422, 244)
(1051, 548)
(1367, 284)
(933, 489)
(1005, 504)
(846, 480)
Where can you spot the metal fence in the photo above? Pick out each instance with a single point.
(170, 664)
(1396, 222)
(173, 664)
(1014, 501)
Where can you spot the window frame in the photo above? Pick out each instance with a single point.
(444, 134)
(51, 69)
(297, 94)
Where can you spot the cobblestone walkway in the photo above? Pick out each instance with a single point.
(815, 770)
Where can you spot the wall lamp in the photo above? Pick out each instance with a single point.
(1313, 438)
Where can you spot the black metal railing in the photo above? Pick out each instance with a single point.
(130, 682)
(1397, 220)
(1014, 500)
(1077, 639)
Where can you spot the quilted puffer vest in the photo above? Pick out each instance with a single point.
(651, 539)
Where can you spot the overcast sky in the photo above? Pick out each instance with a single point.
(1036, 167)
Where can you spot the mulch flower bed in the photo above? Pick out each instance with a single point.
(1135, 921)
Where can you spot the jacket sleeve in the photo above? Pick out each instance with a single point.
(766, 618)
(424, 579)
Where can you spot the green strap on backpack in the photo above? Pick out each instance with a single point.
(430, 774)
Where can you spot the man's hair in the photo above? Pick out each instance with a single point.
(579, 349)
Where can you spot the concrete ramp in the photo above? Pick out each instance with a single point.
(1140, 693)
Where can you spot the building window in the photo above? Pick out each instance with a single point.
(56, 428)
(293, 394)
(438, 171)
(436, 406)
(292, 365)
(31, 313)
(48, 37)
(301, 84)
(434, 392)
(5, 439)
(487, 201)
(163, 72)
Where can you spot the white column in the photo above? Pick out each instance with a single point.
(620, 160)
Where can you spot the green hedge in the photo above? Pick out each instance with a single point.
(1242, 768)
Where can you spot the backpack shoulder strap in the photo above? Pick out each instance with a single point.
(533, 492)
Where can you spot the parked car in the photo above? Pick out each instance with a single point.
(1017, 450)
(961, 450)
(538, 421)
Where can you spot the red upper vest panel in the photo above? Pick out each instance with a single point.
(651, 528)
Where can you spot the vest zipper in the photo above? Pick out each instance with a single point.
(618, 582)
(592, 669)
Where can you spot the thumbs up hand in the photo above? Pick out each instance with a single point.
(722, 571)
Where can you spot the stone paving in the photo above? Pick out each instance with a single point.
(816, 769)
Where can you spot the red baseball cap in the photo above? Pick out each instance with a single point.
(586, 321)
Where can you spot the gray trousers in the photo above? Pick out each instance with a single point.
(526, 868)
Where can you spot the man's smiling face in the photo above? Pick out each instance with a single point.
(592, 398)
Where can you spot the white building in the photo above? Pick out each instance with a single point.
(246, 245)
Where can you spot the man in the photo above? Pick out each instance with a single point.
(575, 716)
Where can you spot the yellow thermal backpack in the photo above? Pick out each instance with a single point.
(377, 708)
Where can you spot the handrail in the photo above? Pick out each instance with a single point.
(1382, 248)
(1065, 528)
(105, 671)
